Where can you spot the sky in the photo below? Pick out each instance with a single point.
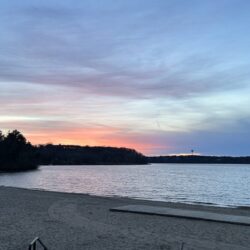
(160, 76)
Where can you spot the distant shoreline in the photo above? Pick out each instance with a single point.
(17, 154)
(198, 159)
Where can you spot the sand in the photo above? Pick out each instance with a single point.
(78, 221)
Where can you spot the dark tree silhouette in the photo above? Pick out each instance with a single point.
(1, 136)
(16, 154)
(78, 155)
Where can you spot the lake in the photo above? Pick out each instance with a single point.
(222, 185)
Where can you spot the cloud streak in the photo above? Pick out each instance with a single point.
(70, 46)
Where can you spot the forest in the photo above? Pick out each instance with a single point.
(17, 154)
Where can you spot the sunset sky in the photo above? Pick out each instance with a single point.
(160, 76)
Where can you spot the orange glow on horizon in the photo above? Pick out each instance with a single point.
(93, 137)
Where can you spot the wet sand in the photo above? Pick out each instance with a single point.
(78, 221)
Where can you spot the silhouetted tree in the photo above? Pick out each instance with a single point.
(16, 153)
(1, 136)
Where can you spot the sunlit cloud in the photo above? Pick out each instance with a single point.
(158, 76)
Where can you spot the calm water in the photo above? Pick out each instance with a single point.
(224, 185)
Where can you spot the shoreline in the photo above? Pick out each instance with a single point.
(82, 221)
(191, 205)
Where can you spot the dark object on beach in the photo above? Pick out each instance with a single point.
(16, 154)
(33, 244)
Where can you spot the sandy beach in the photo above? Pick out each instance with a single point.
(78, 221)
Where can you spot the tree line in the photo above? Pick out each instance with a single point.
(200, 159)
(17, 154)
